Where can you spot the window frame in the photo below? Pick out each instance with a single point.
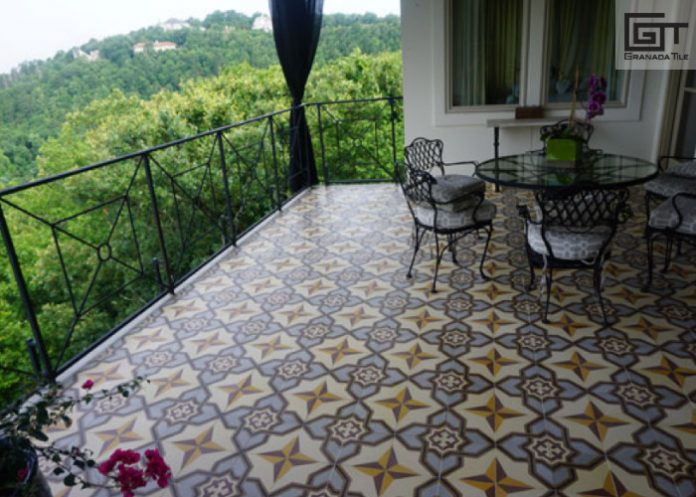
(533, 74)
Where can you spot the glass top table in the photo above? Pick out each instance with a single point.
(532, 170)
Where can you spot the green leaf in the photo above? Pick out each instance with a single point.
(69, 480)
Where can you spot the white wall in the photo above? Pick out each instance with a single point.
(634, 131)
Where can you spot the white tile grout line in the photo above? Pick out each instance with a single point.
(75, 368)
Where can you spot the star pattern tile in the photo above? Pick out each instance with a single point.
(304, 362)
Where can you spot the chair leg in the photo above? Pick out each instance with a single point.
(419, 238)
(548, 276)
(532, 272)
(668, 254)
(597, 280)
(452, 247)
(651, 245)
(438, 258)
(489, 232)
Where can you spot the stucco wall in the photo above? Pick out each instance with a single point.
(423, 59)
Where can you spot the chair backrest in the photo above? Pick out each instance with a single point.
(424, 154)
(416, 184)
(579, 130)
(581, 209)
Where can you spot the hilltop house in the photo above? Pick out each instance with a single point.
(163, 46)
(173, 25)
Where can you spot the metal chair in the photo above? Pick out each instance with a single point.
(444, 212)
(580, 130)
(424, 155)
(675, 219)
(572, 229)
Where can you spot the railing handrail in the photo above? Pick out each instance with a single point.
(132, 155)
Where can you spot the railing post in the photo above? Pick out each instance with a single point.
(279, 204)
(158, 222)
(48, 372)
(226, 189)
(323, 148)
(393, 128)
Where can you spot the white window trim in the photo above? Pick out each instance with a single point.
(532, 77)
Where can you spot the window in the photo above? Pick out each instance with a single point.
(486, 52)
(581, 40)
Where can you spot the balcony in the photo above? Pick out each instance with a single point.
(300, 360)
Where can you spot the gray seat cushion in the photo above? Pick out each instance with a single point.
(665, 216)
(452, 190)
(567, 244)
(667, 185)
(684, 169)
(453, 220)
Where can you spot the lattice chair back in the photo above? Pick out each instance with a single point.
(423, 154)
(582, 210)
(416, 185)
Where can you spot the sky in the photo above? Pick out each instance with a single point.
(37, 29)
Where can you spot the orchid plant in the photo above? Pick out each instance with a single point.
(23, 436)
(596, 96)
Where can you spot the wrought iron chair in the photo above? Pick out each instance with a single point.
(580, 131)
(675, 219)
(572, 229)
(445, 212)
(425, 155)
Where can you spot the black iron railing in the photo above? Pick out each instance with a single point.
(92, 248)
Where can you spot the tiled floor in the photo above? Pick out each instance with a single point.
(306, 363)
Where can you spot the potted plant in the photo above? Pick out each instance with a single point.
(568, 146)
(24, 440)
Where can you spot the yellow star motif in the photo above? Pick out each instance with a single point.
(118, 436)
(681, 271)
(414, 356)
(579, 365)
(493, 292)
(567, 324)
(338, 352)
(423, 319)
(315, 287)
(236, 392)
(183, 308)
(385, 470)
(493, 361)
(614, 270)
(287, 458)
(494, 412)
(491, 267)
(370, 288)
(317, 397)
(195, 447)
(297, 313)
(110, 374)
(648, 327)
(678, 374)
(270, 347)
(493, 321)
(242, 310)
(629, 296)
(262, 285)
(172, 381)
(688, 427)
(142, 340)
(380, 267)
(203, 344)
(356, 316)
(495, 482)
(559, 294)
(212, 284)
(284, 264)
(330, 265)
(612, 488)
(401, 404)
(596, 421)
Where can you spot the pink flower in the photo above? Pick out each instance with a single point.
(156, 468)
(22, 474)
(88, 384)
(130, 478)
(118, 456)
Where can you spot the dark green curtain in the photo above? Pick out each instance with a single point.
(581, 36)
(296, 29)
(486, 51)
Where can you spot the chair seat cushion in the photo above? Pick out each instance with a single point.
(452, 191)
(667, 185)
(567, 244)
(665, 216)
(454, 220)
(683, 169)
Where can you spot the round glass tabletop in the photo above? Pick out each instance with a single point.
(532, 170)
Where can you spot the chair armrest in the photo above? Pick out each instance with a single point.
(523, 210)
(664, 159)
(680, 214)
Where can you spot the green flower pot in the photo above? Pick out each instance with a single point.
(563, 149)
